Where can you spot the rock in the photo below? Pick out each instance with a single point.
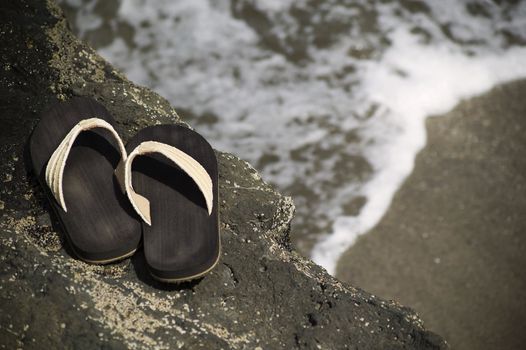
(262, 293)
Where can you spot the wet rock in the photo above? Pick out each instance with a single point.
(262, 293)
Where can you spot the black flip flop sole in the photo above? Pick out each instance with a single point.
(100, 224)
(183, 242)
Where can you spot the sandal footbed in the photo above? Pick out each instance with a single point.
(100, 223)
(183, 241)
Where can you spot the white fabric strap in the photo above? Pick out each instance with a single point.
(57, 162)
(188, 164)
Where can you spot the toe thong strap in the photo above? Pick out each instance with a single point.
(184, 161)
(57, 162)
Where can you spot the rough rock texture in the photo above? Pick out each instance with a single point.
(453, 243)
(261, 295)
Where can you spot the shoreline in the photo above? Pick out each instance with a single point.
(451, 245)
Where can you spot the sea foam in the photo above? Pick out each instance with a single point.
(434, 80)
(327, 99)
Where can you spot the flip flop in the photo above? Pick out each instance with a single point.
(74, 150)
(175, 171)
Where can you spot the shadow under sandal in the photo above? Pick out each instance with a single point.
(170, 178)
(74, 150)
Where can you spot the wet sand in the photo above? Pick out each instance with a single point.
(453, 244)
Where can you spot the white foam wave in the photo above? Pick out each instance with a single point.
(434, 80)
(208, 61)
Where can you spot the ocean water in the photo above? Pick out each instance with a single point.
(328, 99)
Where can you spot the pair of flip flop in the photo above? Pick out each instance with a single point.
(161, 187)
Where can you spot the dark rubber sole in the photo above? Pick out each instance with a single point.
(100, 224)
(183, 241)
